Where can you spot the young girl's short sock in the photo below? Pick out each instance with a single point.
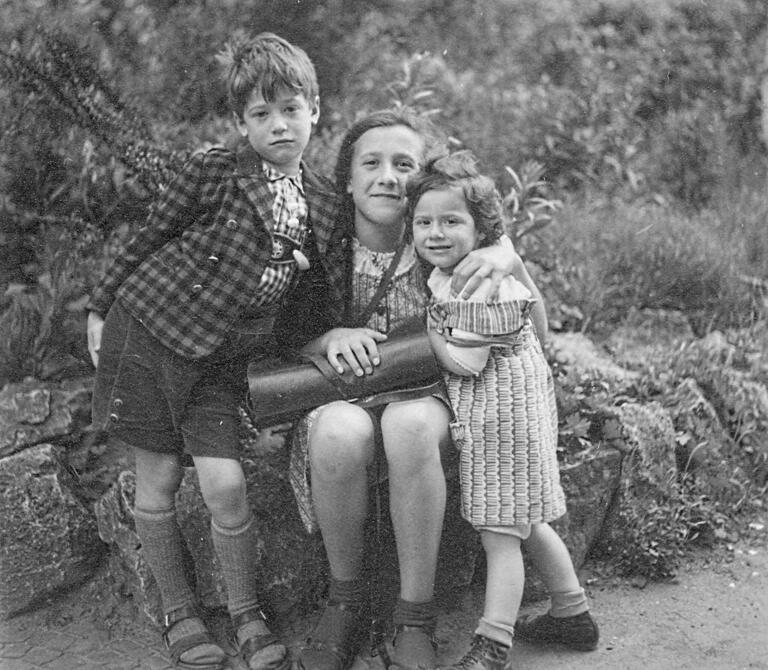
(496, 631)
(568, 603)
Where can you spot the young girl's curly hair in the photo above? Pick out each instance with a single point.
(459, 170)
(266, 63)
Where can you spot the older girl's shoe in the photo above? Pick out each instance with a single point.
(336, 639)
(412, 648)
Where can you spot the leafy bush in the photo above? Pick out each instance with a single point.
(630, 102)
(610, 258)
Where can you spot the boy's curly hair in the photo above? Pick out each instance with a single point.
(266, 63)
(459, 170)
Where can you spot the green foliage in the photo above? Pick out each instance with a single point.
(622, 103)
(611, 258)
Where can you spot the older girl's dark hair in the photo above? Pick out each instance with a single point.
(384, 118)
(460, 170)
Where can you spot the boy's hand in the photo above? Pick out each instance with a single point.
(482, 271)
(94, 328)
(357, 346)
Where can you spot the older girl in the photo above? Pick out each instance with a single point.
(335, 446)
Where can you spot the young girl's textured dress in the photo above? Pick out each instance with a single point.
(506, 411)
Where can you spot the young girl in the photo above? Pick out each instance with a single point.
(501, 389)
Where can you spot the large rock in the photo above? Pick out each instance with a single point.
(590, 488)
(700, 435)
(48, 538)
(34, 412)
(129, 570)
(645, 435)
(289, 563)
(645, 335)
(742, 406)
(580, 358)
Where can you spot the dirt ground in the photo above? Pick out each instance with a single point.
(713, 616)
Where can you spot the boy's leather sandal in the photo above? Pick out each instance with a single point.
(256, 643)
(184, 644)
(336, 639)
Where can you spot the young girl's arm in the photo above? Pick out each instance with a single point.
(450, 362)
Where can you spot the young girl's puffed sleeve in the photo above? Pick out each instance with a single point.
(471, 327)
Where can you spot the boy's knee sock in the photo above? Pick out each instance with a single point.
(495, 630)
(164, 549)
(568, 603)
(237, 552)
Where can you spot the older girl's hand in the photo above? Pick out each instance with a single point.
(480, 272)
(356, 346)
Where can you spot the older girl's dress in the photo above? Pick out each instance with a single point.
(404, 299)
(505, 408)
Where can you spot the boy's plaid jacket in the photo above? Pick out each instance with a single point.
(194, 268)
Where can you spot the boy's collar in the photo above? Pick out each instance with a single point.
(273, 174)
(250, 162)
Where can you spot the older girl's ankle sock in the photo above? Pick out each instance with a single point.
(350, 592)
(421, 615)
(568, 603)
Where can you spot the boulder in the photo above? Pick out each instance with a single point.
(645, 435)
(34, 412)
(590, 488)
(580, 358)
(290, 563)
(741, 403)
(48, 538)
(645, 334)
(130, 572)
(700, 435)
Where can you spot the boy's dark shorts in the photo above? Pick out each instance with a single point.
(149, 397)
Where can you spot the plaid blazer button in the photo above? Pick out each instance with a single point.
(197, 288)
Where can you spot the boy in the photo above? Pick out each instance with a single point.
(192, 298)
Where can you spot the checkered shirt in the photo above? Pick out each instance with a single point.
(194, 269)
(289, 211)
